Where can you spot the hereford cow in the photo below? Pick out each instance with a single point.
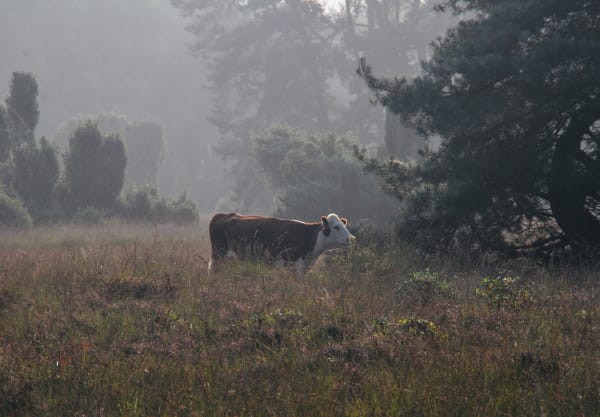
(290, 241)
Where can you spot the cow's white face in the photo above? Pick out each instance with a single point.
(334, 234)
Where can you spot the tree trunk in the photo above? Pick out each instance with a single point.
(567, 199)
(371, 15)
(349, 19)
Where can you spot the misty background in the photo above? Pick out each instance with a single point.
(151, 60)
(126, 58)
(458, 121)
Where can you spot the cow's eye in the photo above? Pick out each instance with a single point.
(337, 228)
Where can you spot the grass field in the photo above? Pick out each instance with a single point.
(123, 320)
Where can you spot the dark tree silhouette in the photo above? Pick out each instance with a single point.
(513, 91)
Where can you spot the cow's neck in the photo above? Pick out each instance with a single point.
(304, 263)
(317, 247)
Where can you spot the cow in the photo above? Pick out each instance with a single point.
(273, 239)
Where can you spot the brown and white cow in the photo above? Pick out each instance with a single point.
(290, 241)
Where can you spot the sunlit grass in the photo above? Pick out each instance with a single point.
(124, 320)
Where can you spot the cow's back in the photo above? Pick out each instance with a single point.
(257, 236)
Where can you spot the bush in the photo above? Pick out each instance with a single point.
(89, 215)
(144, 203)
(504, 290)
(13, 213)
(94, 168)
(426, 286)
(178, 211)
(312, 175)
(36, 172)
(144, 143)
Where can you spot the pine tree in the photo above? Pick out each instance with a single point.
(22, 107)
(513, 91)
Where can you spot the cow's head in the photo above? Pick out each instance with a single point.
(334, 234)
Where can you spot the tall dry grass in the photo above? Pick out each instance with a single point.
(124, 320)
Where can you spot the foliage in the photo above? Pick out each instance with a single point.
(5, 143)
(281, 62)
(312, 175)
(504, 290)
(290, 62)
(144, 203)
(119, 320)
(27, 168)
(419, 327)
(13, 213)
(22, 107)
(94, 168)
(512, 91)
(36, 173)
(144, 143)
(255, 53)
(89, 215)
(426, 287)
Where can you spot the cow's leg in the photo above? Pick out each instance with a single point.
(219, 251)
(300, 266)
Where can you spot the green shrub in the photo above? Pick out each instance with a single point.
(419, 327)
(144, 142)
(89, 215)
(179, 211)
(426, 286)
(504, 291)
(94, 167)
(312, 175)
(36, 173)
(144, 203)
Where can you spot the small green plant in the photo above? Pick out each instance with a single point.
(503, 290)
(426, 286)
(420, 327)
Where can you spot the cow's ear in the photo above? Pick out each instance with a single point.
(326, 229)
(344, 220)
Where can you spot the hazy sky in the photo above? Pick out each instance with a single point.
(332, 2)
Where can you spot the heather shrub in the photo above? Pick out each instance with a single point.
(145, 204)
(425, 287)
(504, 290)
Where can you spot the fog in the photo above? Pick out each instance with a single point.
(125, 57)
(216, 81)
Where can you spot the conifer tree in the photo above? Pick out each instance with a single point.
(22, 107)
(513, 91)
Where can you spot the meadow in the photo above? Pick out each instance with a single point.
(122, 320)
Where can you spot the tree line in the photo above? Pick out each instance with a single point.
(510, 90)
(513, 92)
(291, 64)
(87, 184)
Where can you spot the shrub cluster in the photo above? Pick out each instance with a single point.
(144, 203)
(89, 189)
